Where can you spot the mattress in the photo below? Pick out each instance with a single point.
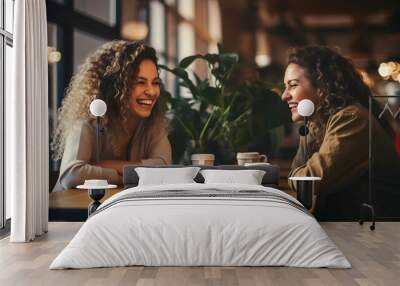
(201, 225)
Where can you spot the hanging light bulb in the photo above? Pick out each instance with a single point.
(134, 30)
(53, 56)
(262, 57)
(390, 70)
(384, 70)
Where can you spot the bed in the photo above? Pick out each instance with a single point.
(201, 224)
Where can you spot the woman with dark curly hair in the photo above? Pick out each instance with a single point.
(338, 135)
(125, 76)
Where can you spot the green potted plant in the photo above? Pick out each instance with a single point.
(223, 115)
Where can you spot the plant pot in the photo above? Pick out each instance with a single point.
(192, 147)
(223, 154)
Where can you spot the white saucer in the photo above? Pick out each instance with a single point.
(305, 178)
(91, 187)
(256, 164)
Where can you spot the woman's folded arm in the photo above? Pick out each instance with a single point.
(343, 154)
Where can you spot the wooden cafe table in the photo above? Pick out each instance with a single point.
(76, 198)
(72, 204)
(79, 199)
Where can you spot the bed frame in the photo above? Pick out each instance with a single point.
(270, 179)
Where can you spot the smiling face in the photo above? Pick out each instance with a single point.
(298, 87)
(145, 90)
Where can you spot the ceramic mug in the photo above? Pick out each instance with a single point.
(203, 159)
(250, 157)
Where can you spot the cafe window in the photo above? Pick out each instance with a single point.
(6, 60)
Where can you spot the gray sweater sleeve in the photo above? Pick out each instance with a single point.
(160, 152)
(78, 154)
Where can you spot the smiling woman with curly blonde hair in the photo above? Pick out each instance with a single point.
(125, 76)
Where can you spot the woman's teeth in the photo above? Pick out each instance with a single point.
(147, 102)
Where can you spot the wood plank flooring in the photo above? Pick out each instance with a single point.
(375, 257)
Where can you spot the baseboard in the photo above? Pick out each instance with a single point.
(5, 231)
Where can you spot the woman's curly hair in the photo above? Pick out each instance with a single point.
(108, 74)
(338, 82)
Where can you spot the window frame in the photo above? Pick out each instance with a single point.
(6, 39)
(67, 19)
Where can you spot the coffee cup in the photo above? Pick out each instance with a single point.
(250, 157)
(203, 159)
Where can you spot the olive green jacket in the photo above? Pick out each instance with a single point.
(342, 159)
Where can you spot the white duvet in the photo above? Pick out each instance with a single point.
(200, 231)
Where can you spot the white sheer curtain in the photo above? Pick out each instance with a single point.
(28, 123)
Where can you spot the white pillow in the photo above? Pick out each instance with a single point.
(165, 176)
(248, 177)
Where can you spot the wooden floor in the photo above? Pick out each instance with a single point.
(375, 256)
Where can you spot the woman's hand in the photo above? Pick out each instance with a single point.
(117, 165)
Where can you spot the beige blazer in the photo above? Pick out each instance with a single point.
(151, 147)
